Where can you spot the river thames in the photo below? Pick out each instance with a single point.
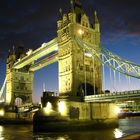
(24, 132)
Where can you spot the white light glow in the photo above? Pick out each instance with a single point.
(29, 52)
(117, 110)
(43, 45)
(26, 109)
(56, 49)
(61, 138)
(1, 133)
(130, 101)
(48, 108)
(88, 54)
(118, 133)
(1, 128)
(35, 110)
(1, 112)
(80, 31)
(62, 108)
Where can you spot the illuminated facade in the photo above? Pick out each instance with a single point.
(18, 82)
(79, 73)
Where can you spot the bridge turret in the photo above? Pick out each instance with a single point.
(72, 17)
(85, 21)
(20, 52)
(73, 61)
(11, 58)
(59, 22)
(18, 81)
(65, 20)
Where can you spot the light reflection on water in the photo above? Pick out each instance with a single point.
(118, 133)
(65, 137)
(24, 132)
(1, 133)
(81, 135)
(126, 127)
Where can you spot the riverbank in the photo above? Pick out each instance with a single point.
(60, 124)
(7, 121)
(25, 132)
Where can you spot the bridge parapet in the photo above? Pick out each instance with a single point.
(125, 95)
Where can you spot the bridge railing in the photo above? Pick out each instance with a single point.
(109, 59)
(113, 96)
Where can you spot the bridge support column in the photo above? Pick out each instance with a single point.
(71, 113)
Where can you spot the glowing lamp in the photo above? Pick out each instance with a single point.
(80, 31)
(29, 52)
(62, 108)
(117, 110)
(118, 133)
(48, 108)
(88, 54)
(56, 49)
(1, 112)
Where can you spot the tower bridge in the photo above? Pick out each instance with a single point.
(81, 60)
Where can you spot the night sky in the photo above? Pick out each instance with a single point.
(33, 22)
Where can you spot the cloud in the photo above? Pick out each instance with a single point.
(34, 22)
(118, 15)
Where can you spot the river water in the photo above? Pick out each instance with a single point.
(24, 132)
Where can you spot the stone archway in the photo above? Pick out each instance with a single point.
(18, 101)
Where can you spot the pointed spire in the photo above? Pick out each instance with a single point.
(9, 52)
(60, 13)
(13, 49)
(96, 22)
(96, 18)
(72, 5)
(44, 87)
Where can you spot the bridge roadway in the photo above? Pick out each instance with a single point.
(115, 96)
(46, 48)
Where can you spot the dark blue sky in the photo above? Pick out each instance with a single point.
(32, 22)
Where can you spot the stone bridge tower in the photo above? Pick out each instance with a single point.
(18, 82)
(79, 73)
